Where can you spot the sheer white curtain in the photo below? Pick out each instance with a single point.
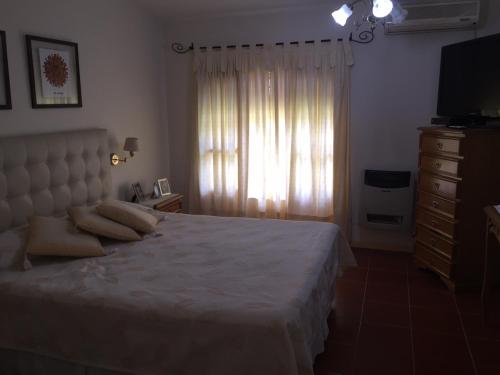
(273, 132)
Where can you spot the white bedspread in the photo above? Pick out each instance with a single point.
(210, 296)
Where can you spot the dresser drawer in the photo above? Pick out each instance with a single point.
(436, 242)
(439, 166)
(172, 207)
(437, 204)
(433, 260)
(436, 223)
(437, 185)
(432, 144)
(173, 203)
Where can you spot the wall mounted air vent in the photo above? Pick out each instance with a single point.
(435, 16)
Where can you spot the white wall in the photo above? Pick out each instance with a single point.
(120, 48)
(394, 83)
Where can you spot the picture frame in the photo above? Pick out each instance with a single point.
(156, 190)
(5, 94)
(164, 187)
(139, 194)
(54, 73)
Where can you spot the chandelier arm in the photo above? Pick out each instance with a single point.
(364, 37)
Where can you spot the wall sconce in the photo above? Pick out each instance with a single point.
(131, 145)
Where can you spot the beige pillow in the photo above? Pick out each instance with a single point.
(160, 216)
(89, 220)
(57, 236)
(128, 215)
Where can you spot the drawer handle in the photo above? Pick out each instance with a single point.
(434, 223)
(435, 204)
(439, 145)
(437, 165)
(433, 242)
(436, 185)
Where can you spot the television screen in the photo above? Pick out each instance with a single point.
(469, 82)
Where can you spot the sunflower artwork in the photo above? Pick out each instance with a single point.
(55, 73)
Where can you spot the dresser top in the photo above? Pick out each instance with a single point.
(443, 130)
(155, 202)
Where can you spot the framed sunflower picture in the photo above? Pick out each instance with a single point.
(54, 73)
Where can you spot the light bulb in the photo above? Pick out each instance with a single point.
(382, 8)
(342, 14)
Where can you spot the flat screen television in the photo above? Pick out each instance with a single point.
(469, 81)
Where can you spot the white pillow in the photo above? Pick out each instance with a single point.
(87, 219)
(59, 237)
(128, 215)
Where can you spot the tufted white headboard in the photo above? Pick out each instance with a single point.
(47, 173)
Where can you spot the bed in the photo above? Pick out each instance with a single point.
(204, 295)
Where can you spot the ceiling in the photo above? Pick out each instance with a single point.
(196, 8)
(187, 8)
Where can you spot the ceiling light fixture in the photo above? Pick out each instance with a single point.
(342, 14)
(375, 12)
(382, 8)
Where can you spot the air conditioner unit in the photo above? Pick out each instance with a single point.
(434, 16)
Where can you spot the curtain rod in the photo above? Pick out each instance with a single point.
(180, 48)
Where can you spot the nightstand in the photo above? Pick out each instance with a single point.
(167, 203)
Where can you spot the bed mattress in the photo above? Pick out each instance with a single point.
(205, 295)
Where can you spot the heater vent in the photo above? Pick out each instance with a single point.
(387, 199)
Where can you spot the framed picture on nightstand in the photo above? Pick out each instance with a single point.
(163, 187)
(139, 195)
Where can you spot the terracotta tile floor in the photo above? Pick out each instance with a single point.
(392, 318)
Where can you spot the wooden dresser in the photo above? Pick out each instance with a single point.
(168, 203)
(459, 174)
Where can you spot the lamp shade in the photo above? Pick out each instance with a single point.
(131, 144)
(342, 14)
(382, 8)
(398, 14)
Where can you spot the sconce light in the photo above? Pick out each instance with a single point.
(131, 145)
